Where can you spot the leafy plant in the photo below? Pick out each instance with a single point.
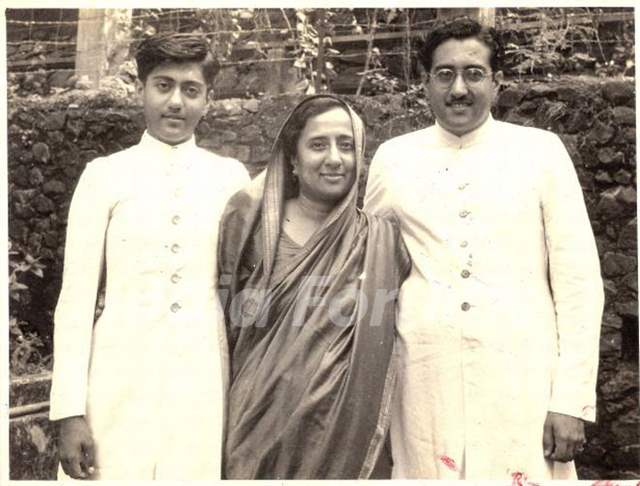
(540, 52)
(25, 350)
(622, 59)
(224, 24)
(311, 25)
(24, 346)
(377, 76)
(415, 98)
(561, 44)
(21, 262)
(381, 81)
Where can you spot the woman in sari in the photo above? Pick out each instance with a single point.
(308, 284)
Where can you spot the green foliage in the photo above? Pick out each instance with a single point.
(311, 24)
(541, 42)
(415, 98)
(228, 29)
(378, 78)
(21, 262)
(622, 61)
(306, 51)
(381, 81)
(562, 45)
(227, 24)
(25, 347)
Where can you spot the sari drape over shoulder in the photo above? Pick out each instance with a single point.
(311, 344)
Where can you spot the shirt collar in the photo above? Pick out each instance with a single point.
(151, 143)
(468, 139)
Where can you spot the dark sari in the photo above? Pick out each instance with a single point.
(310, 385)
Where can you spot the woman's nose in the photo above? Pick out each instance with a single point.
(333, 156)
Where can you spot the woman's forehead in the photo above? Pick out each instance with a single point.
(333, 118)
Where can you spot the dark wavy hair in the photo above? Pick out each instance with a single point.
(461, 28)
(176, 48)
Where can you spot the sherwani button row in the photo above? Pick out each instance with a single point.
(134, 181)
(465, 273)
(175, 248)
(175, 278)
(175, 219)
(543, 194)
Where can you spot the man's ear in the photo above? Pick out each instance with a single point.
(139, 88)
(497, 81)
(208, 99)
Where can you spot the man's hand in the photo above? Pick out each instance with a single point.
(563, 436)
(75, 446)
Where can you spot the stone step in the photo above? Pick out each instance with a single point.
(33, 453)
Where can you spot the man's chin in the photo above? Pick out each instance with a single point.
(171, 138)
(460, 115)
(459, 127)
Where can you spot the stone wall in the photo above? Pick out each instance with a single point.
(50, 142)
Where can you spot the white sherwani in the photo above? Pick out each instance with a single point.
(500, 318)
(148, 375)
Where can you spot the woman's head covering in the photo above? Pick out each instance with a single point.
(253, 218)
(279, 176)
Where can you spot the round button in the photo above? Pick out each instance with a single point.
(465, 273)
(464, 213)
(175, 248)
(175, 278)
(462, 186)
(175, 307)
(464, 244)
(175, 219)
(587, 410)
(465, 306)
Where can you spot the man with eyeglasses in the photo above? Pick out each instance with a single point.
(499, 319)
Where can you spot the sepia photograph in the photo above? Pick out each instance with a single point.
(322, 243)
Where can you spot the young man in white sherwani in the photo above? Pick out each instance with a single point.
(138, 395)
(500, 318)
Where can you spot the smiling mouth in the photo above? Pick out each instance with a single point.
(172, 117)
(332, 176)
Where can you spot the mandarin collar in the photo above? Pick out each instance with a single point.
(468, 139)
(150, 143)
